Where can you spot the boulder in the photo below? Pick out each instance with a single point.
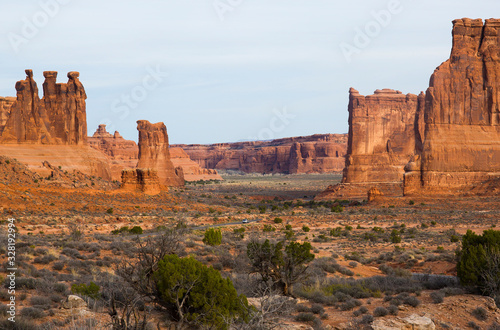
(412, 322)
(74, 302)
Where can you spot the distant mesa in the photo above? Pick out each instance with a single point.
(445, 141)
(320, 153)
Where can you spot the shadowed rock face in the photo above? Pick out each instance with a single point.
(449, 138)
(321, 153)
(154, 153)
(141, 180)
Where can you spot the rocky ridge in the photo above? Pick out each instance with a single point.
(320, 153)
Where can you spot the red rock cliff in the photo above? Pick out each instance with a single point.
(154, 153)
(462, 114)
(321, 153)
(460, 148)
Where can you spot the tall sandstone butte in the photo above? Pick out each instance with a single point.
(448, 138)
(462, 114)
(58, 118)
(53, 128)
(154, 153)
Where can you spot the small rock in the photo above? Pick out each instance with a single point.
(74, 302)
(419, 322)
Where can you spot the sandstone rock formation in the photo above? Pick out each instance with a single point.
(462, 114)
(143, 180)
(58, 118)
(321, 153)
(5, 106)
(192, 171)
(53, 128)
(444, 141)
(154, 153)
(123, 154)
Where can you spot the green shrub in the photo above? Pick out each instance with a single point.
(212, 237)
(136, 230)
(198, 294)
(91, 290)
(268, 229)
(395, 238)
(278, 220)
(337, 208)
(110, 210)
(476, 258)
(305, 228)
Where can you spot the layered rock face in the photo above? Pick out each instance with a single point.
(382, 135)
(154, 153)
(462, 113)
(385, 132)
(123, 154)
(58, 118)
(321, 153)
(5, 106)
(192, 171)
(141, 180)
(449, 138)
(53, 128)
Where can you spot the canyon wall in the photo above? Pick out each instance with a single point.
(446, 141)
(192, 171)
(53, 128)
(321, 153)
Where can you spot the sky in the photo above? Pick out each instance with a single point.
(229, 70)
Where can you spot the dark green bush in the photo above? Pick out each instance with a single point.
(198, 294)
(476, 258)
(91, 290)
(212, 237)
(136, 230)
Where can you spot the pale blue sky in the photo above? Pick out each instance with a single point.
(228, 78)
